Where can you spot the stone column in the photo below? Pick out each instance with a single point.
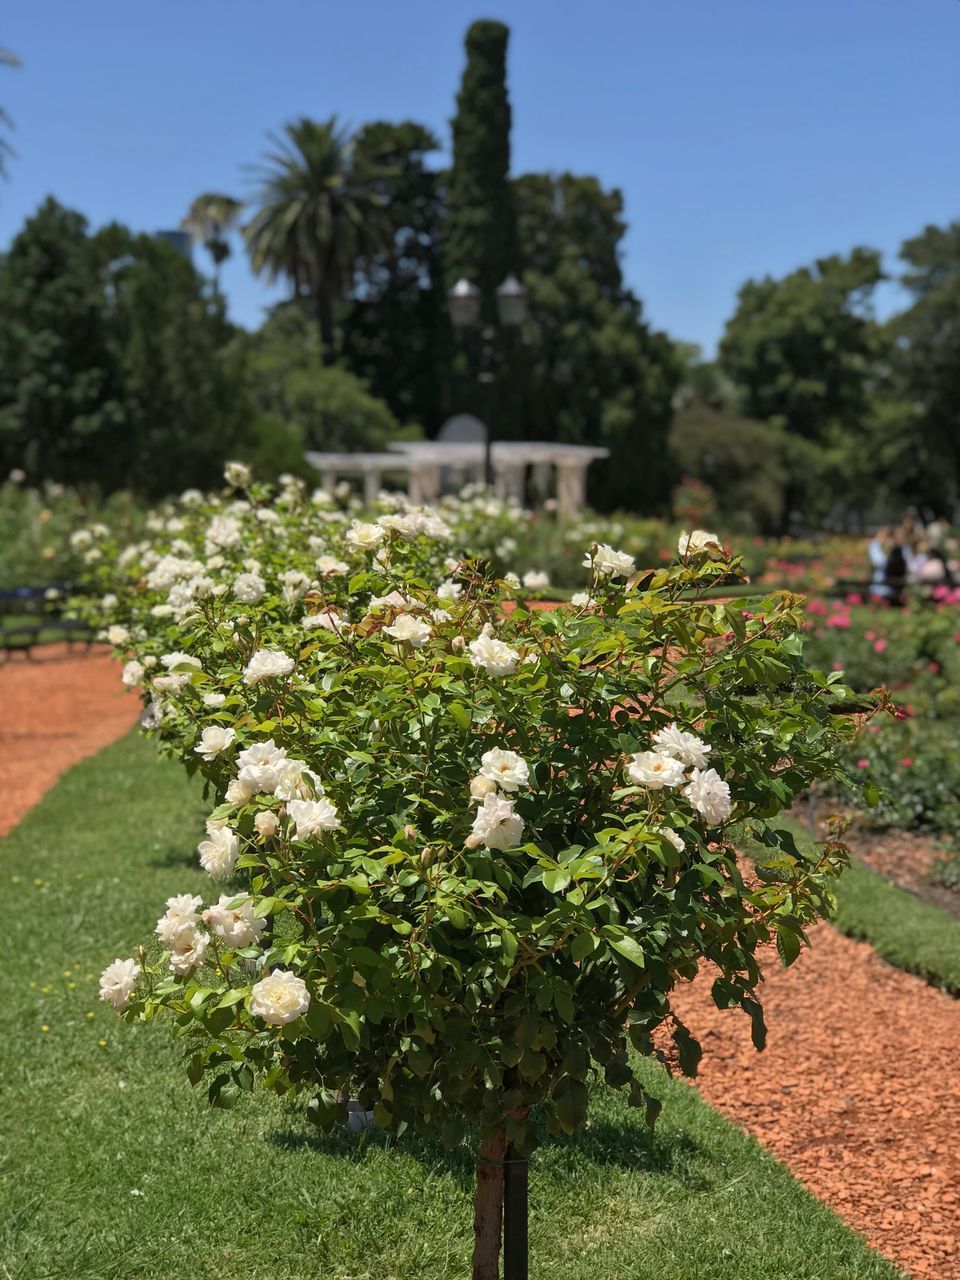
(509, 482)
(571, 486)
(371, 485)
(329, 479)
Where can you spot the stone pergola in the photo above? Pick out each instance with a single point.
(424, 463)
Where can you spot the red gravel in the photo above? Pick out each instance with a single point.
(857, 1092)
(55, 711)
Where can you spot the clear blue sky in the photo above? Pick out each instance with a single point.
(748, 136)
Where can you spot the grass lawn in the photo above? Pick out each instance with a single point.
(907, 932)
(113, 1168)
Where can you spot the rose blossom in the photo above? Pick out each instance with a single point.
(237, 925)
(259, 768)
(654, 770)
(481, 786)
(213, 741)
(609, 563)
(709, 795)
(364, 536)
(496, 658)
(496, 825)
(219, 852)
(685, 747)
(172, 660)
(181, 913)
(266, 824)
(295, 781)
(410, 630)
(279, 998)
(697, 542)
(266, 664)
(312, 817)
(117, 983)
(237, 474)
(187, 950)
(249, 588)
(132, 673)
(508, 770)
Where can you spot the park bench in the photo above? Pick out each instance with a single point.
(30, 616)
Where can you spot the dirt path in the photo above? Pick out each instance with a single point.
(858, 1091)
(55, 711)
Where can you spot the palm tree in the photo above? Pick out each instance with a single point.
(317, 212)
(209, 220)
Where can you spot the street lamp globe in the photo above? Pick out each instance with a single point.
(464, 302)
(512, 303)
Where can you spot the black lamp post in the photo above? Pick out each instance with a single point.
(465, 302)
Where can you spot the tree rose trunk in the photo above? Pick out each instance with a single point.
(488, 1208)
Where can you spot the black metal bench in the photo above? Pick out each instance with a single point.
(30, 616)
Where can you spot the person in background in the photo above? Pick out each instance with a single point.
(878, 549)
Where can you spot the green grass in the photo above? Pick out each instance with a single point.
(907, 932)
(113, 1168)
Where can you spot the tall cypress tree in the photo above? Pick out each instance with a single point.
(481, 229)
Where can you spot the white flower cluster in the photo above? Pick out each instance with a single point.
(665, 766)
(497, 825)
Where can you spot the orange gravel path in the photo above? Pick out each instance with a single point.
(858, 1092)
(54, 711)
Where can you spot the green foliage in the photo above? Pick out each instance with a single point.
(744, 462)
(591, 370)
(396, 334)
(800, 348)
(480, 237)
(115, 365)
(457, 972)
(298, 398)
(322, 1206)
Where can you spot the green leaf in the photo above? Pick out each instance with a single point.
(630, 949)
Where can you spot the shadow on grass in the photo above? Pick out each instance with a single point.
(604, 1144)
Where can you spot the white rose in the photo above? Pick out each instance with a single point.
(582, 600)
(181, 913)
(214, 699)
(173, 660)
(697, 542)
(508, 770)
(409, 630)
(496, 658)
(132, 674)
(329, 620)
(674, 837)
(214, 741)
(117, 983)
(259, 767)
(312, 817)
(267, 664)
(449, 590)
(117, 635)
(248, 588)
(237, 474)
(295, 781)
(609, 563)
(654, 770)
(266, 825)
(536, 580)
(279, 998)
(481, 786)
(236, 925)
(511, 580)
(219, 853)
(496, 825)
(364, 536)
(330, 564)
(240, 790)
(187, 950)
(709, 795)
(685, 747)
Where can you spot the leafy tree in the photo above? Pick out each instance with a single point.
(395, 331)
(316, 212)
(593, 372)
(925, 367)
(324, 408)
(209, 220)
(481, 230)
(62, 406)
(801, 349)
(116, 365)
(184, 404)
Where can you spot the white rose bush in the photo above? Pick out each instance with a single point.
(460, 852)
